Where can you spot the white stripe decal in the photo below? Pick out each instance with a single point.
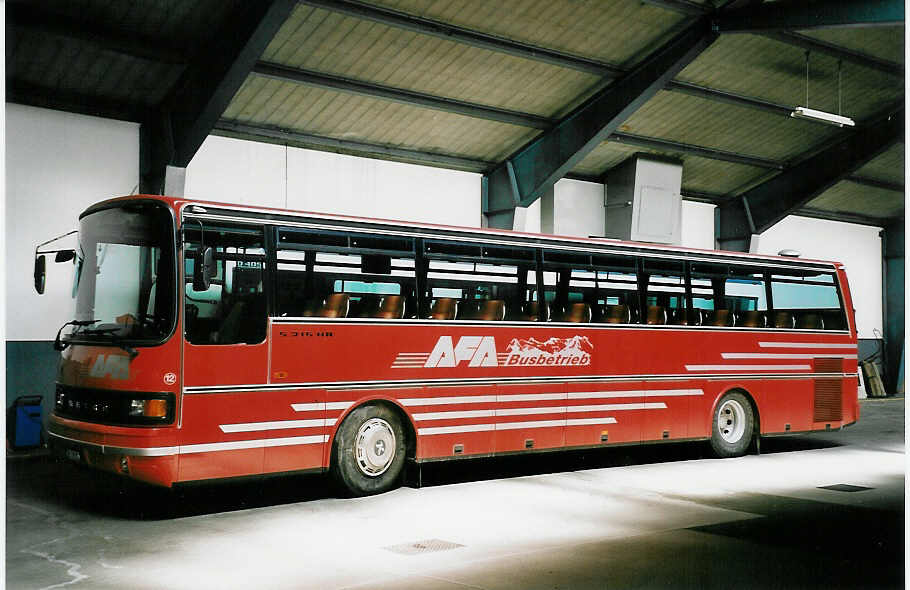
(315, 407)
(611, 407)
(253, 444)
(338, 405)
(634, 393)
(806, 345)
(513, 425)
(527, 397)
(584, 421)
(308, 407)
(454, 415)
(441, 401)
(746, 367)
(532, 424)
(528, 411)
(455, 429)
(537, 410)
(780, 357)
(279, 425)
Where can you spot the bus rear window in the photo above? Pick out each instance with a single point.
(806, 301)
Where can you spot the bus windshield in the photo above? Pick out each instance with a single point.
(124, 279)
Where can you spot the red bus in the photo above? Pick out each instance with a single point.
(215, 341)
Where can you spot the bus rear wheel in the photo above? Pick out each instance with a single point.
(369, 451)
(733, 426)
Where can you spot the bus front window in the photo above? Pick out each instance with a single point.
(124, 284)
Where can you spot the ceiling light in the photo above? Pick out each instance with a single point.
(824, 117)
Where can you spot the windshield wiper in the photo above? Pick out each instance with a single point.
(60, 345)
(114, 338)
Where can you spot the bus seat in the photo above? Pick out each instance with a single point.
(366, 307)
(810, 321)
(657, 315)
(492, 310)
(783, 319)
(230, 327)
(443, 308)
(577, 313)
(468, 309)
(391, 307)
(753, 319)
(682, 317)
(720, 318)
(616, 314)
(336, 306)
(528, 312)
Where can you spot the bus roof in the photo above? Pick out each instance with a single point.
(178, 203)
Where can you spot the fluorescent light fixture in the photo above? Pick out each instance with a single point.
(813, 115)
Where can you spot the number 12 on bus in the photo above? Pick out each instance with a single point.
(213, 341)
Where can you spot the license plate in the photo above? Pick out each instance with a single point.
(74, 455)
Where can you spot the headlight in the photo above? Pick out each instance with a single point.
(148, 408)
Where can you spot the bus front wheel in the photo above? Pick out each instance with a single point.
(369, 451)
(733, 426)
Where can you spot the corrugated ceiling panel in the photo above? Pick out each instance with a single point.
(882, 42)
(175, 21)
(699, 174)
(71, 66)
(344, 116)
(694, 120)
(328, 42)
(616, 32)
(849, 197)
(888, 166)
(761, 67)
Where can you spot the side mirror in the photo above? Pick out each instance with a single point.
(204, 269)
(40, 273)
(64, 255)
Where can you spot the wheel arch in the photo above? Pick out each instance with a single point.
(756, 415)
(407, 424)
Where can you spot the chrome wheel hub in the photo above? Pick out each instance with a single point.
(374, 447)
(731, 421)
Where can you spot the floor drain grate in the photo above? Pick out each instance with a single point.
(427, 546)
(844, 487)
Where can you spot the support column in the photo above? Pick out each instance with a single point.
(893, 303)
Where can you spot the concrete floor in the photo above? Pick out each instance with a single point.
(658, 517)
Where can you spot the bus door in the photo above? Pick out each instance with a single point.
(225, 344)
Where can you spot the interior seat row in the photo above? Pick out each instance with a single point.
(340, 305)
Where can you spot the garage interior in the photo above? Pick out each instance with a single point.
(511, 114)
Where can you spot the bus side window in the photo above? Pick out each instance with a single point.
(569, 286)
(233, 309)
(480, 283)
(665, 294)
(806, 300)
(745, 295)
(345, 275)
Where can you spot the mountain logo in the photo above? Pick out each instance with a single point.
(576, 350)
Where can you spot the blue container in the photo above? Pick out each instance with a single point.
(24, 422)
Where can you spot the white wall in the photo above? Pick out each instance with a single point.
(578, 209)
(698, 225)
(57, 164)
(859, 247)
(234, 170)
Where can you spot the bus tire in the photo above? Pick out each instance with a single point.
(733, 426)
(369, 451)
